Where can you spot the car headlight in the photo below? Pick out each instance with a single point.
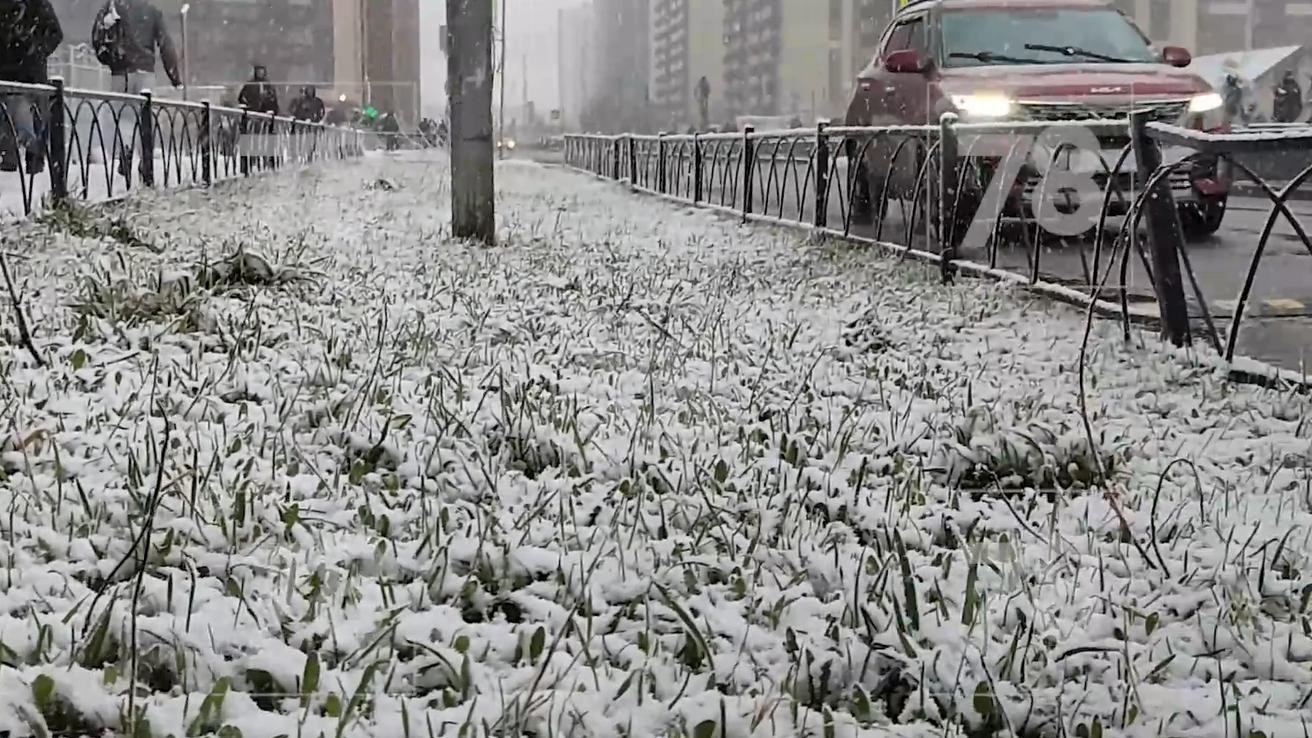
(983, 106)
(510, 145)
(1205, 103)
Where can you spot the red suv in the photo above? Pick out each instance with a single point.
(1030, 60)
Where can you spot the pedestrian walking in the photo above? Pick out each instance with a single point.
(258, 96)
(126, 36)
(29, 34)
(1288, 104)
(391, 129)
(1232, 93)
(308, 106)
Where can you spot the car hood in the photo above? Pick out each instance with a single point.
(1114, 82)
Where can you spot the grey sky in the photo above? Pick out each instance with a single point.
(532, 38)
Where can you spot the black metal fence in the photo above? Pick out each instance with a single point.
(58, 143)
(950, 195)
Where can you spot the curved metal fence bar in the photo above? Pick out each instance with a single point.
(919, 190)
(58, 143)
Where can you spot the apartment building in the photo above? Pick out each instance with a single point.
(798, 57)
(1218, 26)
(687, 45)
(376, 59)
(620, 96)
(576, 62)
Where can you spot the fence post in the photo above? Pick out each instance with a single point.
(57, 139)
(660, 163)
(615, 158)
(948, 159)
(696, 168)
(1165, 234)
(633, 161)
(207, 143)
(244, 162)
(749, 167)
(821, 176)
(146, 123)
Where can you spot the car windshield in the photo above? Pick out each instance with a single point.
(1041, 36)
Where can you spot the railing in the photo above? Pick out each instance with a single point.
(969, 198)
(58, 143)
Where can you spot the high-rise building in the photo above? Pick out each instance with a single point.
(621, 98)
(1219, 26)
(794, 57)
(377, 55)
(687, 46)
(577, 63)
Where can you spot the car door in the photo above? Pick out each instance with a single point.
(903, 99)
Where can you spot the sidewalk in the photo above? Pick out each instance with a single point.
(1248, 189)
(636, 467)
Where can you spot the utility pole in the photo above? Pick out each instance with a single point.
(469, 85)
(501, 114)
(1249, 26)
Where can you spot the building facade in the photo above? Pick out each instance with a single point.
(797, 58)
(1219, 26)
(377, 59)
(577, 64)
(620, 99)
(687, 46)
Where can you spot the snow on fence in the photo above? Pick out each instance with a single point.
(989, 199)
(58, 143)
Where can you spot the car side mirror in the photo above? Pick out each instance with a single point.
(1177, 56)
(904, 61)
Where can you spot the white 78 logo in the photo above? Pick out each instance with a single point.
(1069, 185)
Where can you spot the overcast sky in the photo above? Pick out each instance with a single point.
(532, 38)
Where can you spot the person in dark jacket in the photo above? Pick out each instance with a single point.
(308, 106)
(29, 34)
(126, 36)
(258, 96)
(391, 128)
(1288, 105)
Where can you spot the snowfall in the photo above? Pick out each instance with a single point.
(283, 459)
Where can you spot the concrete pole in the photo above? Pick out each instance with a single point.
(186, 60)
(469, 85)
(501, 114)
(1249, 40)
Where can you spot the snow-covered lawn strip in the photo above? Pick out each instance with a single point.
(299, 464)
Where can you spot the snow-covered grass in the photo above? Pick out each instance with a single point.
(297, 464)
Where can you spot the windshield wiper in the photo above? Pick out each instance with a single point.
(1077, 51)
(989, 56)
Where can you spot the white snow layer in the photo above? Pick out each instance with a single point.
(637, 471)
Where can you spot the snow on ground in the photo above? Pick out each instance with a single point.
(637, 471)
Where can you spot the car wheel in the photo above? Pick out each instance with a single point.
(1202, 219)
